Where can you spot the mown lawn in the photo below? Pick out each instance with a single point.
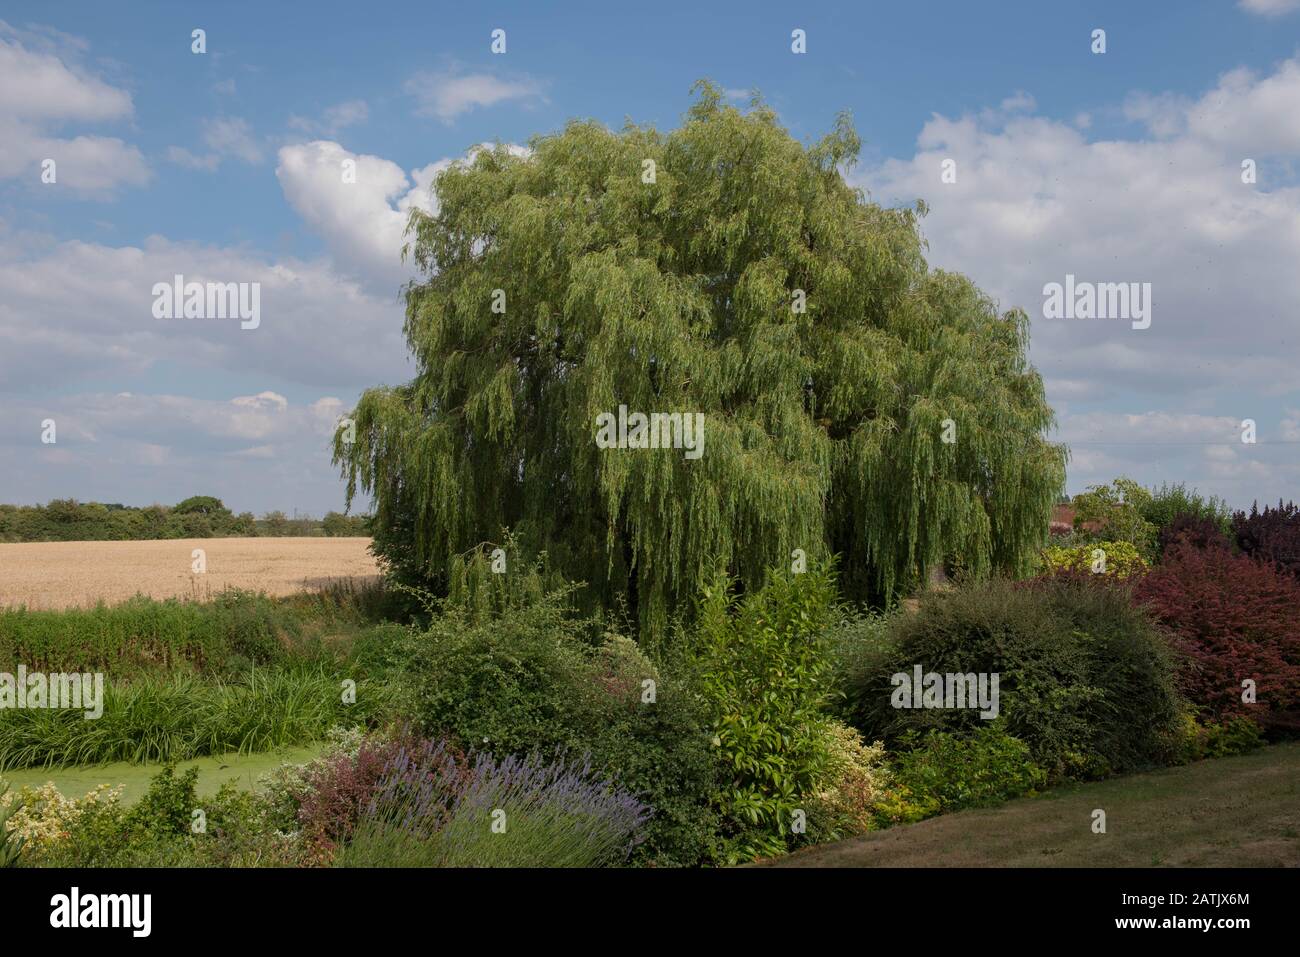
(1229, 812)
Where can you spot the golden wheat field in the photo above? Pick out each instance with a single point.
(80, 574)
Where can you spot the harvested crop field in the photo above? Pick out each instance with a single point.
(80, 574)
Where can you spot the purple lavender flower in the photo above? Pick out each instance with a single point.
(436, 807)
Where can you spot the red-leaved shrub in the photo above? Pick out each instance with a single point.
(1233, 618)
(338, 787)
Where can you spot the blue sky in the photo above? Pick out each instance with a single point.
(1115, 167)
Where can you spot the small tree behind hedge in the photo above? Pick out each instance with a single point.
(1171, 502)
(1272, 535)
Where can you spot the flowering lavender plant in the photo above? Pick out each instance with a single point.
(436, 808)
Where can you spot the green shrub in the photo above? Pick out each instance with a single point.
(855, 636)
(767, 675)
(525, 673)
(166, 807)
(1085, 679)
(42, 823)
(1134, 723)
(940, 772)
(508, 682)
(662, 752)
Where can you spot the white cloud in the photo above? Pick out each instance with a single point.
(332, 323)
(1019, 102)
(337, 117)
(1245, 112)
(448, 94)
(183, 157)
(39, 86)
(94, 306)
(363, 222)
(1203, 451)
(232, 136)
(360, 221)
(225, 137)
(41, 92)
(1269, 8)
(1036, 200)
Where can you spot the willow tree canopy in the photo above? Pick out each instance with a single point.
(854, 401)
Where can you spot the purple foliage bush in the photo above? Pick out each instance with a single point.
(1196, 530)
(1272, 535)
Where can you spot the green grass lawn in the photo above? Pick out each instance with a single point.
(1230, 812)
(215, 771)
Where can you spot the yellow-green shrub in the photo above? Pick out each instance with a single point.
(1233, 735)
(1122, 559)
(854, 779)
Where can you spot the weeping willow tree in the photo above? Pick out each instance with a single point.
(854, 401)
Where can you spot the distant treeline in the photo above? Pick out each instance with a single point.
(201, 516)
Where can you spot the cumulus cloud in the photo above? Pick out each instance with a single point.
(331, 323)
(1036, 200)
(1033, 197)
(449, 93)
(95, 307)
(43, 91)
(1244, 112)
(124, 447)
(363, 222)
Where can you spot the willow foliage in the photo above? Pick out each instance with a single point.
(824, 425)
